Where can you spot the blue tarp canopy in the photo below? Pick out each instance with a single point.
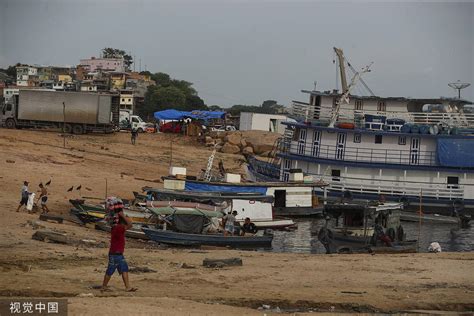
(456, 152)
(176, 115)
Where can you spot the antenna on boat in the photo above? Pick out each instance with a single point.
(458, 85)
(315, 83)
(345, 96)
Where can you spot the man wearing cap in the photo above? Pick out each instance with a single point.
(24, 195)
(120, 223)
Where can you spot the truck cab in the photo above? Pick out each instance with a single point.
(129, 121)
(7, 114)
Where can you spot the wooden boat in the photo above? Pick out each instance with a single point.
(185, 239)
(353, 230)
(91, 213)
(428, 218)
(135, 232)
(257, 207)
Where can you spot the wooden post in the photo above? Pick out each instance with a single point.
(171, 153)
(64, 124)
(420, 213)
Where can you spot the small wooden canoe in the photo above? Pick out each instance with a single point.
(184, 239)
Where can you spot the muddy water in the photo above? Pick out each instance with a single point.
(448, 236)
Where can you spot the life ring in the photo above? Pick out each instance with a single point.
(391, 234)
(346, 125)
(404, 200)
(400, 233)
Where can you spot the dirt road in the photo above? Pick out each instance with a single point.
(291, 282)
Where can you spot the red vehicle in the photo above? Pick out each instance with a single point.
(171, 127)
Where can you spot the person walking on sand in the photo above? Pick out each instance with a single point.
(43, 198)
(24, 195)
(134, 135)
(117, 246)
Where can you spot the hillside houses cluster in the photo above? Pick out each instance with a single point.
(94, 75)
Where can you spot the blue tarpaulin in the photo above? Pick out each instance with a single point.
(456, 152)
(176, 115)
(213, 187)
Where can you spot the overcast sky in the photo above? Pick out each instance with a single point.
(244, 52)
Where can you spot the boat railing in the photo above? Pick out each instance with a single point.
(309, 113)
(360, 154)
(392, 187)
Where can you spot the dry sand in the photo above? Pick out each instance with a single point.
(29, 268)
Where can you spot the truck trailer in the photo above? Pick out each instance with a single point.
(75, 112)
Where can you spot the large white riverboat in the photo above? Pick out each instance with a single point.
(366, 147)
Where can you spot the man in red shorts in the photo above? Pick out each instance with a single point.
(117, 246)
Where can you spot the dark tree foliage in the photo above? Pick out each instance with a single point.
(118, 53)
(170, 94)
(267, 107)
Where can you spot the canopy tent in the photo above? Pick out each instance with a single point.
(176, 115)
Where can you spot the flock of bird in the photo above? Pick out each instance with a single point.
(79, 187)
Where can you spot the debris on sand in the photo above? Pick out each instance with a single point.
(140, 270)
(62, 238)
(220, 263)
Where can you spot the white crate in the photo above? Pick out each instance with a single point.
(177, 170)
(232, 178)
(297, 176)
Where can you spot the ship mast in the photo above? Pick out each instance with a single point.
(340, 57)
(345, 96)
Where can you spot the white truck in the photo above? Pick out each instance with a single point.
(75, 112)
(130, 121)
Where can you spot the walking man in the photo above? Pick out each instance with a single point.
(24, 195)
(43, 198)
(117, 246)
(134, 135)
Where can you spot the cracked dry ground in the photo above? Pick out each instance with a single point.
(293, 282)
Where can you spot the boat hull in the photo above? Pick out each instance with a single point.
(183, 239)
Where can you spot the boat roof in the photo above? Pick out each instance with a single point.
(209, 195)
(257, 184)
(358, 207)
(169, 210)
(406, 99)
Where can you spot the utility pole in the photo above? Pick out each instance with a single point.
(64, 124)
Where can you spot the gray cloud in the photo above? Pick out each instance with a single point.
(246, 52)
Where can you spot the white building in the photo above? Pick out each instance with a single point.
(126, 100)
(262, 122)
(24, 74)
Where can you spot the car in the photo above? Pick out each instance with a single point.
(171, 127)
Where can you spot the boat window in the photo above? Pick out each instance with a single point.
(336, 174)
(453, 182)
(359, 105)
(402, 140)
(357, 137)
(381, 106)
(280, 198)
(9, 107)
(378, 139)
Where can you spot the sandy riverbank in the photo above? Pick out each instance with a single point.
(30, 268)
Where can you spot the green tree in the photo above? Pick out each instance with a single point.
(161, 79)
(215, 108)
(109, 52)
(194, 102)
